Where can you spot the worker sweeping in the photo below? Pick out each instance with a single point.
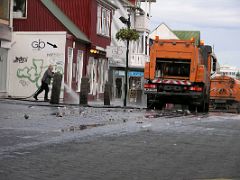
(46, 79)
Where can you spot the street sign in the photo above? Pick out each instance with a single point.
(116, 52)
(135, 74)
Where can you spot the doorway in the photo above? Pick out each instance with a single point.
(119, 85)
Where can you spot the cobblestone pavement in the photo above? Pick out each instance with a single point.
(38, 141)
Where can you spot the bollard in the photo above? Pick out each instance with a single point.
(56, 88)
(107, 93)
(85, 87)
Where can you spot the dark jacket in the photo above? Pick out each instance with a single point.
(47, 76)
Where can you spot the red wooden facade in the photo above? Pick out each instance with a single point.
(78, 11)
(133, 1)
(39, 18)
(83, 13)
(85, 17)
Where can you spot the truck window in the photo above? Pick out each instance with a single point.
(172, 67)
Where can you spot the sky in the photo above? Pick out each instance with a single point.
(217, 20)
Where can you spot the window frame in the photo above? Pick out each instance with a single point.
(5, 8)
(103, 21)
(22, 9)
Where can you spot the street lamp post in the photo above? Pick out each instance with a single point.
(128, 23)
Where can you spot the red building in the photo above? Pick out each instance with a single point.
(88, 27)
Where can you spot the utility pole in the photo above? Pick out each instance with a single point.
(126, 69)
(128, 35)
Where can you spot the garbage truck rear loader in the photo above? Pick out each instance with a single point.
(225, 93)
(179, 73)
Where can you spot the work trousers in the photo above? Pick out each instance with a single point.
(45, 87)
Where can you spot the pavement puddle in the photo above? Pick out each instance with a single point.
(81, 127)
(21, 153)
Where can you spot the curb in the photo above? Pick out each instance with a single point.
(47, 104)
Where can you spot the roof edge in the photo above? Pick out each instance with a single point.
(108, 3)
(57, 12)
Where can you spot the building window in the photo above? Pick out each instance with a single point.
(103, 21)
(79, 69)
(69, 68)
(4, 9)
(19, 8)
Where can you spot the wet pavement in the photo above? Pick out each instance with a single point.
(41, 141)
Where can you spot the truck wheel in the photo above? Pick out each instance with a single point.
(159, 106)
(238, 108)
(150, 105)
(200, 108)
(206, 107)
(192, 108)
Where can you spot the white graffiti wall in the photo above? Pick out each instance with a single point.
(31, 53)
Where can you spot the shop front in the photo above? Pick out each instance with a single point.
(135, 85)
(136, 80)
(97, 72)
(118, 84)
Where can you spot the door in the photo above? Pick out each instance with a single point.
(119, 87)
(3, 70)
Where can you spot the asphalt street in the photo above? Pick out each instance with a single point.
(40, 141)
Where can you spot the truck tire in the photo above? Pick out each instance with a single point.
(207, 100)
(200, 108)
(150, 105)
(206, 107)
(238, 108)
(192, 108)
(159, 106)
(203, 108)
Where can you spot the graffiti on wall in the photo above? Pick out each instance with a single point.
(31, 53)
(32, 73)
(57, 60)
(35, 72)
(20, 59)
(24, 83)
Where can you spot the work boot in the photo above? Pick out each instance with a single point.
(35, 97)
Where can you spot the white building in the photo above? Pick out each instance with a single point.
(163, 32)
(139, 11)
(228, 70)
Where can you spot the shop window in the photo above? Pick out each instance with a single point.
(103, 21)
(90, 73)
(69, 67)
(79, 69)
(135, 83)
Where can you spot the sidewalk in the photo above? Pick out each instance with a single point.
(115, 103)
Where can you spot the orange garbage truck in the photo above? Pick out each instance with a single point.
(179, 72)
(225, 93)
